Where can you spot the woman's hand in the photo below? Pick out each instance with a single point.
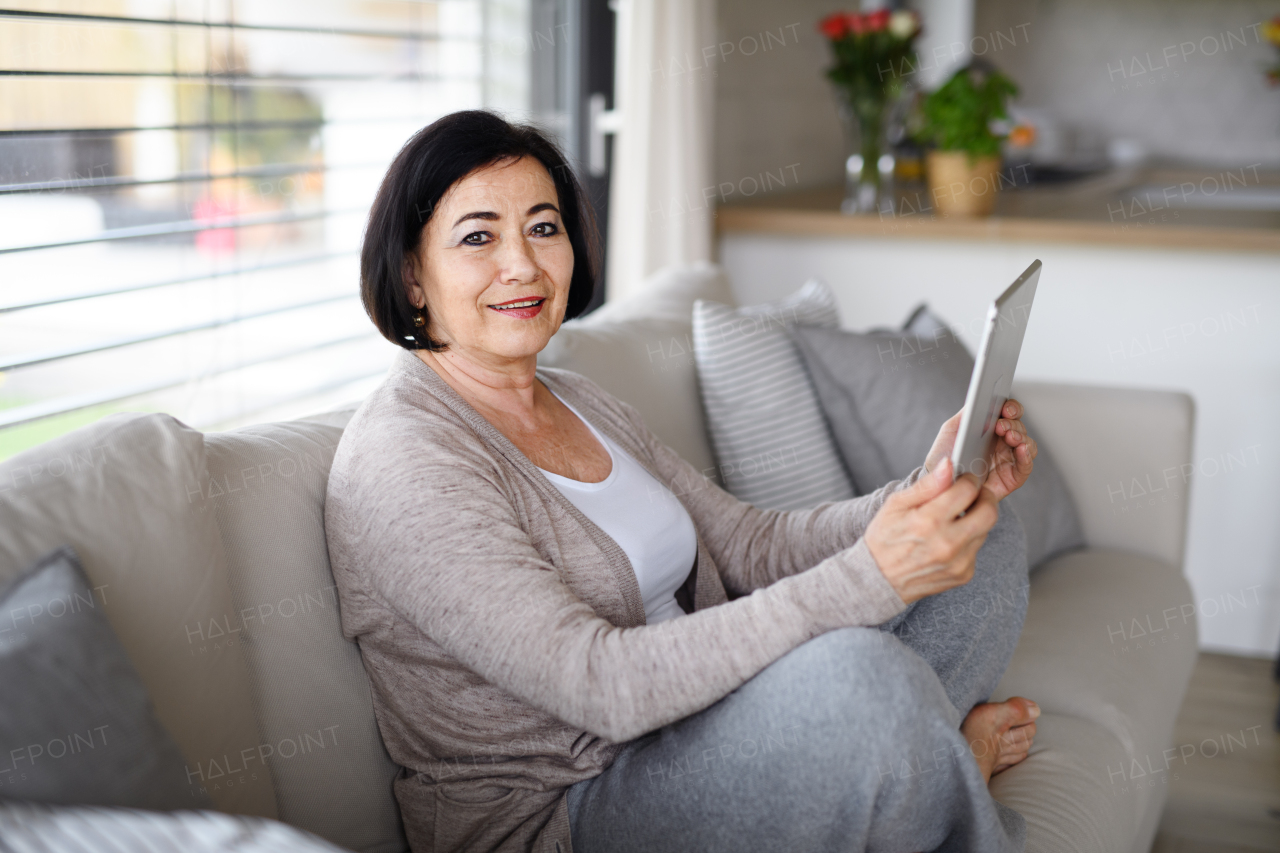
(919, 540)
(1014, 450)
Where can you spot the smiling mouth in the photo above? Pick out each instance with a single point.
(519, 303)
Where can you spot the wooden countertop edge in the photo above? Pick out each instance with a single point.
(822, 223)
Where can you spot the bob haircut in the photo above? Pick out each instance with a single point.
(433, 160)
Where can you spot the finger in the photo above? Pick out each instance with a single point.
(926, 488)
(1023, 456)
(951, 502)
(1012, 408)
(980, 517)
(1010, 428)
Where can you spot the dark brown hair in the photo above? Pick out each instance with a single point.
(433, 160)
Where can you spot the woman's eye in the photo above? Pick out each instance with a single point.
(545, 229)
(476, 238)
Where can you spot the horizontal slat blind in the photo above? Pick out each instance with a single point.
(183, 185)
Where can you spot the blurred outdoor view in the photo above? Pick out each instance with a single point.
(183, 186)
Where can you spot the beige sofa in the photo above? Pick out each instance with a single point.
(210, 552)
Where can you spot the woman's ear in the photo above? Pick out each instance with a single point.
(409, 276)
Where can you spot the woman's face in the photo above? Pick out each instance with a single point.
(495, 240)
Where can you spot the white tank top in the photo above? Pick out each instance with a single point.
(646, 520)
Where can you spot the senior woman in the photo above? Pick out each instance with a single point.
(565, 654)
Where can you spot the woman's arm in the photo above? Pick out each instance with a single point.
(755, 547)
(438, 540)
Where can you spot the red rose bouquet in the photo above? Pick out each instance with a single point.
(873, 51)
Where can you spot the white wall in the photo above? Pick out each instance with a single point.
(1199, 322)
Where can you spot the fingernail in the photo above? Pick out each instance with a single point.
(941, 471)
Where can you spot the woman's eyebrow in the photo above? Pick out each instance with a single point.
(488, 215)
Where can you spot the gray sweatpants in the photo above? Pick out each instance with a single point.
(850, 742)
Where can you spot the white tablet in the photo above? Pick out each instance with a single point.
(992, 378)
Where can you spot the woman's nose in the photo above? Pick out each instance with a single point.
(517, 260)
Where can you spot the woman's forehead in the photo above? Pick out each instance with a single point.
(512, 183)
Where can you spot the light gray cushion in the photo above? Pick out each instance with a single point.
(886, 393)
(640, 349)
(1107, 651)
(265, 488)
(31, 828)
(771, 442)
(75, 721)
(124, 493)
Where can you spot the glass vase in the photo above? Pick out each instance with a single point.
(867, 168)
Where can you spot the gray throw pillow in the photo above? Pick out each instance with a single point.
(76, 724)
(885, 394)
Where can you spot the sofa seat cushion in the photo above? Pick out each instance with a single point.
(123, 492)
(1057, 789)
(264, 487)
(1107, 651)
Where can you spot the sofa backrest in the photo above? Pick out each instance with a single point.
(265, 488)
(1125, 454)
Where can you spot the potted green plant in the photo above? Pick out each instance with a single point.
(957, 125)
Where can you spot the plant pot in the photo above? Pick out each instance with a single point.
(960, 186)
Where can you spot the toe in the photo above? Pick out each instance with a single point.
(1021, 711)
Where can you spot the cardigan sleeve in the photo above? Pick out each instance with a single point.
(437, 538)
(754, 547)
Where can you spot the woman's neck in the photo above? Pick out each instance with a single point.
(508, 389)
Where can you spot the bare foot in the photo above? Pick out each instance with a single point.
(1000, 733)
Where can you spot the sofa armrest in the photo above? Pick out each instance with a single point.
(1126, 457)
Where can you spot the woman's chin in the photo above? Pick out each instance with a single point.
(518, 346)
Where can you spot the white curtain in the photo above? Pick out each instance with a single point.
(662, 193)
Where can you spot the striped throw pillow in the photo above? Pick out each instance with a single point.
(771, 442)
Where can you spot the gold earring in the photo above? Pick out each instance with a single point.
(419, 320)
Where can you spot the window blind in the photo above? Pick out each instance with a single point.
(183, 187)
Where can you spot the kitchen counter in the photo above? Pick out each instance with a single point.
(1225, 210)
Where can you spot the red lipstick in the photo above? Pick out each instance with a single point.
(522, 308)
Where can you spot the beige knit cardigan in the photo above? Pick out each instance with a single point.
(504, 633)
